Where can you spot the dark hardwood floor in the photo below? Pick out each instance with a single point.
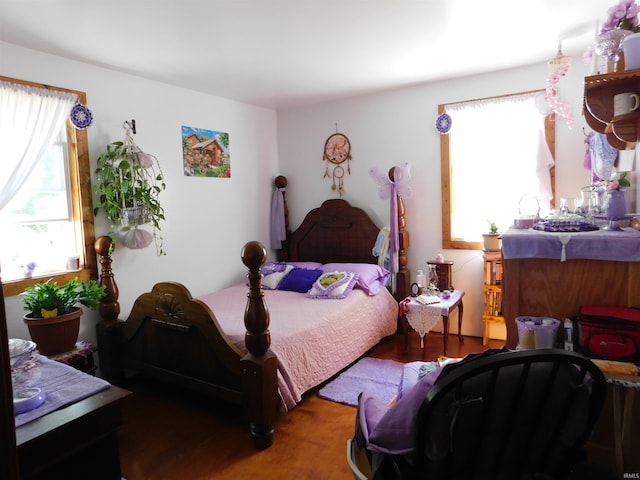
(170, 434)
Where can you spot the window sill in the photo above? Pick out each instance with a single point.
(16, 287)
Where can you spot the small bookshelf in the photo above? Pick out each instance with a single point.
(492, 289)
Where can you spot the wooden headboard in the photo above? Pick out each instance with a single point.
(334, 232)
(339, 232)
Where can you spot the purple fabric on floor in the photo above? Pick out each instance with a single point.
(377, 376)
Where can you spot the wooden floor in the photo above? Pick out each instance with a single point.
(168, 434)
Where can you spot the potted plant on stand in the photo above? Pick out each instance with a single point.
(54, 312)
(128, 184)
(492, 239)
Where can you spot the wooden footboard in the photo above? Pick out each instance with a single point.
(173, 337)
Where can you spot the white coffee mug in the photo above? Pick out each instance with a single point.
(625, 103)
(73, 262)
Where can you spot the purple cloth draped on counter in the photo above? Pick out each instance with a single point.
(619, 246)
(63, 385)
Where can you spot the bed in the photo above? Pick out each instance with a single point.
(288, 342)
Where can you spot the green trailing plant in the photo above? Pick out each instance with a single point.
(49, 299)
(127, 178)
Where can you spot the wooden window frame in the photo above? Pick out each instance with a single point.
(445, 172)
(80, 176)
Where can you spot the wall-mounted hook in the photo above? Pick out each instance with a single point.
(131, 125)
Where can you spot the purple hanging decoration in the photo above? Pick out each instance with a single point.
(398, 187)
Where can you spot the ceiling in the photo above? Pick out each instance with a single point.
(283, 54)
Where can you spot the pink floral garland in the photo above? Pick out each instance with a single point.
(558, 105)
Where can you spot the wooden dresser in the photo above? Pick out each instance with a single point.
(78, 441)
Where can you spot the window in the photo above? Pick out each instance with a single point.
(51, 217)
(498, 153)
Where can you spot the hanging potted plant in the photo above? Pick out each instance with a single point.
(492, 239)
(128, 184)
(54, 312)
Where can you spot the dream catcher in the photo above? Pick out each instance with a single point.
(393, 185)
(337, 150)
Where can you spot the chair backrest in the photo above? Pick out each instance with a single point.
(514, 415)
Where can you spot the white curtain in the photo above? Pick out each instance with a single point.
(498, 156)
(29, 119)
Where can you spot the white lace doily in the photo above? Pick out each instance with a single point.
(421, 320)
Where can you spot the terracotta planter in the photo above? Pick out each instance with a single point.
(492, 242)
(54, 335)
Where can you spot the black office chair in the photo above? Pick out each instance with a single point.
(511, 415)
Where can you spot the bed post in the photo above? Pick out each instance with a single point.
(281, 184)
(108, 330)
(403, 276)
(259, 374)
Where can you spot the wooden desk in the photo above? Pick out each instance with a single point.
(549, 287)
(424, 315)
(76, 442)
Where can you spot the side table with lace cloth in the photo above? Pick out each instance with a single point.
(422, 318)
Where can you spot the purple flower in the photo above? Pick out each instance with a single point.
(632, 9)
(623, 15)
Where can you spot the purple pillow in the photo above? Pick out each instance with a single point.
(371, 278)
(309, 265)
(299, 280)
(272, 267)
(393, 430)
(273, 273)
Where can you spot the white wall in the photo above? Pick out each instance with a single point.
(389, 128)
(208, 220)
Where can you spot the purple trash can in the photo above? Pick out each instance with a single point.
(537, 332)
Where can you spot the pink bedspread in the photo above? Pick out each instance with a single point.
(312, 338)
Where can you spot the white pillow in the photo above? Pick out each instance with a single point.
(334, 285)
(271, 278)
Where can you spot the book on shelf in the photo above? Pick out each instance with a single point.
(493, 273)
(493, 303)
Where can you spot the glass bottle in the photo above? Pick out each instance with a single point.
(433, 278)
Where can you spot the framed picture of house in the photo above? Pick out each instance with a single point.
(205, 153)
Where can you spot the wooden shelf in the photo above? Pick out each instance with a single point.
(623, 131)
(492, 289)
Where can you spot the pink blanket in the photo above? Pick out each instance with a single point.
(312, 338)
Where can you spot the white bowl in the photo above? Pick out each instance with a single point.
(26, 400)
